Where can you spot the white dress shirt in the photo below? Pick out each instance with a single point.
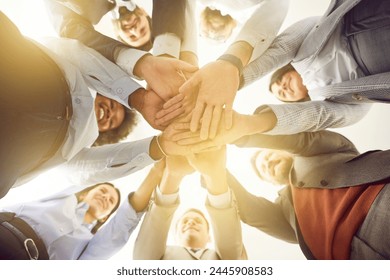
(58, 221)
(87, 72)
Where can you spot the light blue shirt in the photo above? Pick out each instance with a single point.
(58, 221)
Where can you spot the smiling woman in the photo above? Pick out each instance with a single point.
(61, 225)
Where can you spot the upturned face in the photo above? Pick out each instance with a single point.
(192, 230)
(134, 28)
(290, 88)
(274, 166)
(109, 113)
(101, 200)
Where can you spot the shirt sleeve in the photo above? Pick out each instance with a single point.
(152, 237)
(227, 231)
(99, 73)
(314, 116)
(114, 235)
(281, 52)
(264, 24)
(108, 162)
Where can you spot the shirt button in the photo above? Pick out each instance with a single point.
(77, 100)
(324, 183)
(140, 159)
(119, 90)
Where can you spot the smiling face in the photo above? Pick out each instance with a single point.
(274, 166)
(290, 88)
(134, 27)
(192, 230)
(109, 113)
(101, 200)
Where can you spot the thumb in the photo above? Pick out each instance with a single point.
(186, 67)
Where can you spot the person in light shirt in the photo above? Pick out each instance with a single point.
(74, 223)
(192, 230)
(50, 91)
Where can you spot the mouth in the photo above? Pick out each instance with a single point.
(189, 228)
(101, 114)
(101, 202)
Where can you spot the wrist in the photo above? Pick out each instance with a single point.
(154, 150)
(142, 65)
(137, 99)
(233, 60)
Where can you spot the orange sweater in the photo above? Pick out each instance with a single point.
(328, 219)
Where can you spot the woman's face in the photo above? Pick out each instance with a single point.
(109, 113)
(290, 88)
(101, 200)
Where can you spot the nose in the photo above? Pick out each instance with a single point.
(134, 31)
(190, 222)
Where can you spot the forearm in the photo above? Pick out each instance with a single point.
(314, 116)
(281, 52)
(258, 123)
(263, 25)
(153, 234)
(139, 200)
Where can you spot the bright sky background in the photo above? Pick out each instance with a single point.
(370, 133)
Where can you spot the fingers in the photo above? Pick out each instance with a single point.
(217, 113)
(196, 116)
(186, 67)
(169, 116)
(206, 121)
(163, 112)
(174, 100)
(228, 116)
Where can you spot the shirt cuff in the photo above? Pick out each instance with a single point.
(127, 58)
(167, 43)
(166, 199)
(219, 201)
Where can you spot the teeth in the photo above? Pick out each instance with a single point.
(101, 114)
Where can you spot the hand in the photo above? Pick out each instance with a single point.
(163, 75)
(193, 142)
(148, 103)
(217, 84)
(169, 146)
(178, 166)
(211, 163)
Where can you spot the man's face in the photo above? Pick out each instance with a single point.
(109, 113)
(216, 28)
(192, 230)
(274, 166)
(101, 200)
(134, 28)
(290, 88)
